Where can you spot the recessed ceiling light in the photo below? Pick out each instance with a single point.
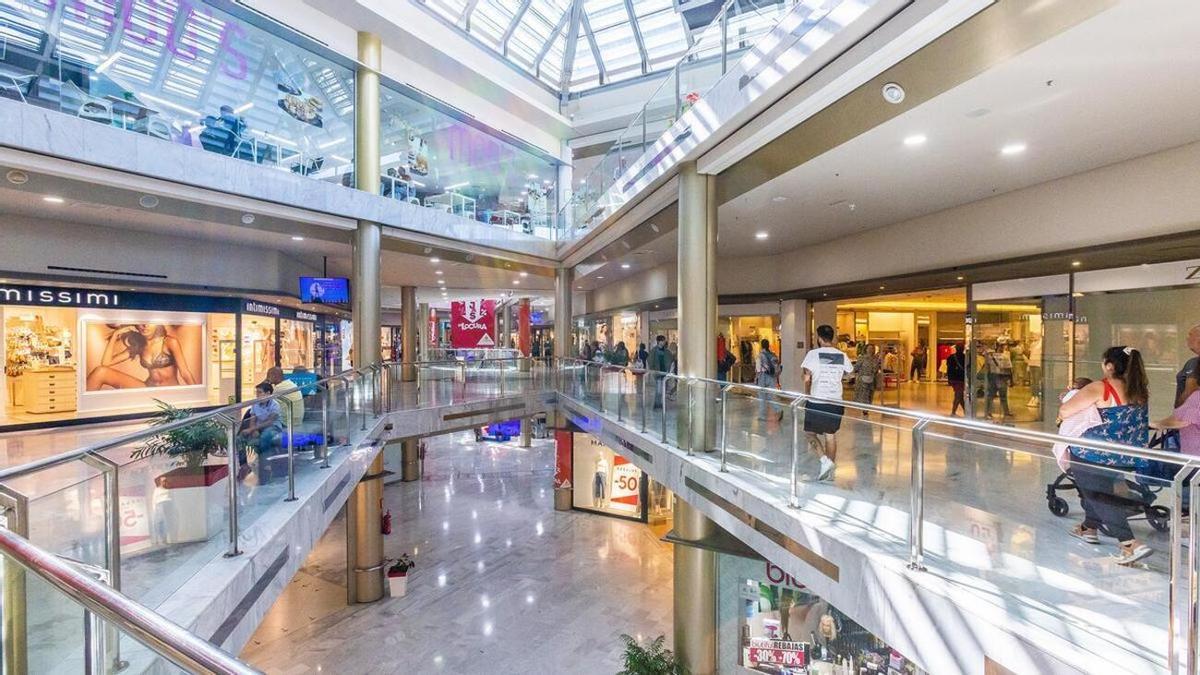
(579, 288)
(624, 266)
(960, 277)
(778, 198)
(438, 272)
(516, 282)
(599, 277)
(435, 260)
(1013, 149)
(427, 250)
(915, 140)
(524, 274)
(1076, 263)
(882, 287)
(52, 199)
(148, 201)
(762, 235)
(297, 238)
(653, 227)
(17, 177)
(441, 281)
(893, 93)
(247, 218)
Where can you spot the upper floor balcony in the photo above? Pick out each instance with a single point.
(214, 78)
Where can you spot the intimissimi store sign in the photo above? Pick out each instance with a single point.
(65, 297)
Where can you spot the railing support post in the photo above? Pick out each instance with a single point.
(794, 495)
(231, 453)
(916, 530)
(328, 391)
(691, 436)
(291, 450)
(662, 382)
(724, 426)
(645, 403)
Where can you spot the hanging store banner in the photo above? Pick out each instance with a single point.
(472, 324)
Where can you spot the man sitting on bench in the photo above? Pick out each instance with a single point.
(262, 427)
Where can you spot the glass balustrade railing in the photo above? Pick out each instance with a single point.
(601, 191)
(150, 509)
(985, 507)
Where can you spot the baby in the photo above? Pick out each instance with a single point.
(1075, 425)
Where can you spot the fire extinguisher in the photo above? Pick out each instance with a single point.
(386, 524)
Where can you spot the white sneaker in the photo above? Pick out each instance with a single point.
(827, 468)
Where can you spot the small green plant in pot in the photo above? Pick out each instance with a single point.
(191, 443)
(653, 658)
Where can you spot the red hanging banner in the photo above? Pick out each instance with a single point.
(472, 324)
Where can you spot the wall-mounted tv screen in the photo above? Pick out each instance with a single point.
(326, 290)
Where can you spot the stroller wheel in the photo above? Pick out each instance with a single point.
(1159, 518)
(1058, 506)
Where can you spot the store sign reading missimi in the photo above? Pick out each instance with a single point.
(27, 295)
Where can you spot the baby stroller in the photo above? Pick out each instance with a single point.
(1143, 495)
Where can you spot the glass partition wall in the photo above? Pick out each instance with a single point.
(194, 75)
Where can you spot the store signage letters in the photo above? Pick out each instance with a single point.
(777, 576)
(25, 295)
(253, 307)
(306, 316)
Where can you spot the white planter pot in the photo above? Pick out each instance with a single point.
(397, 586)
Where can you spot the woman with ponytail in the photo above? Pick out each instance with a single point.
(1122, 400)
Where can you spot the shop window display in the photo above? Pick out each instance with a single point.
(782, 627)
(605, 481)
(258, 352)
(297, 343)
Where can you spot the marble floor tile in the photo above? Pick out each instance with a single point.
(503, 583)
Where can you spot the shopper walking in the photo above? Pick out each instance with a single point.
(1122, 400)
(642, 356)
(766, 375)
(1185, 419)
(956, 375)
(998, 373)
(725, 360)
(867, 371)
(658, 363)
(917, 370)
(1186, 380)
(824, 368)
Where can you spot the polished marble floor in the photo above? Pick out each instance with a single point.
(503, 583)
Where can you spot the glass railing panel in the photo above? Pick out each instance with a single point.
(757, 430)
(999, 519)
(114, 67)
(674, 413)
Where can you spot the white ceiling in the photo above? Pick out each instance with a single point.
(1118, 86)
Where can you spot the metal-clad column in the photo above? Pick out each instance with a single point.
(366, 177)
(409, 321)
(562, 312)
(424, 331)
(364, 540)
(696, 568)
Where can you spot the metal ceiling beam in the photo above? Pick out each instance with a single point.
(564, 82)
(558, 27)
(637, 35)
(467, 12)
(591, 38)
(512, 26)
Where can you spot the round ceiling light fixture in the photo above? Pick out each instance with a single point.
(148, 201)
(247, 218)
(893, 93)
(17, 177)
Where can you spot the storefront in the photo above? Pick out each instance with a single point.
(771, 623)
(73, 352)
(606, 483)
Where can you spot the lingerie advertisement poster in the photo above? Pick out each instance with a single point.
(120, 356)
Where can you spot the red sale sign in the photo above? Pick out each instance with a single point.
(472, 324)
(775, 652)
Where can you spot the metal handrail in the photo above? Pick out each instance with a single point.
(150, 431)
(168, 639)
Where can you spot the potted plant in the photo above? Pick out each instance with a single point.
(191, 486)
(652, 659)
(397, 575)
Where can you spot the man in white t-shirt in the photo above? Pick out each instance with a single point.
(824, 368)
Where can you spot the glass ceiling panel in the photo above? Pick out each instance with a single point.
(612, 29)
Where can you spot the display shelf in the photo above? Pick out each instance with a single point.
(454, 203)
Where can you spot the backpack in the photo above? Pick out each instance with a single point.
(772, 364)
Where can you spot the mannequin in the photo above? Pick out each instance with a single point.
(600, 490)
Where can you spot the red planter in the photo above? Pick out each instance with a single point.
(188, 477)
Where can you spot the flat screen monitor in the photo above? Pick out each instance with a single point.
(325, 290)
